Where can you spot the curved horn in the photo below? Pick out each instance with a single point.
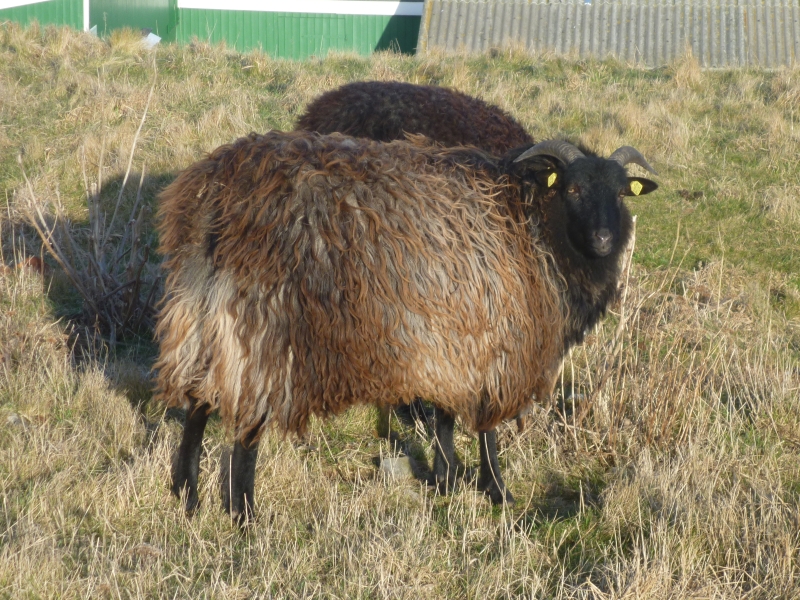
(629, 154)
(564, 151)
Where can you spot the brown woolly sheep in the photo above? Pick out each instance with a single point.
(308, 273)
(387, 110)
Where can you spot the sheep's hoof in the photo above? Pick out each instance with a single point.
(242, 512)
(244, 517)
(498, 495)
(183, 489)
(445, 482)
(444, 487)
(184, 492)
(241, 509)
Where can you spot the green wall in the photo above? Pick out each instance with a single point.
(157, 15)
(280, 34)
(299, 35)
(54, 12)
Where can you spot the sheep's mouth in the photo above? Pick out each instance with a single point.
(601, 242)
(590, 245)
(601, 250)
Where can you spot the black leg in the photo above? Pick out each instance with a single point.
(490, 481)
(446, 465)
(237, 481)
(410, 414)
(420, 415)
(384, 423)
(186, 464)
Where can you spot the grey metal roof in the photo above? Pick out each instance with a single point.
(721, 33)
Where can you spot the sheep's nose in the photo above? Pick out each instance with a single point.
(601, 241)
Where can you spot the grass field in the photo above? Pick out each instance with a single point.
(668, 465)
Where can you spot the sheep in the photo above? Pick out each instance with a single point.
(307, 273)
(385, 110)
(390, 110)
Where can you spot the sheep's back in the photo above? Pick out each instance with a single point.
(308, 273)
(386, 111)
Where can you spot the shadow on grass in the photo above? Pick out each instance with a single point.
(567, 517)
(564, 498)
(416, 418)
(122, 277)
(113, 256)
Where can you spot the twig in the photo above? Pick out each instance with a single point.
(122, 245)
(97, 268)
(136, 288)
(148, 303)
(40, 224)
(100, 164)
(117, 289)
(130, 159)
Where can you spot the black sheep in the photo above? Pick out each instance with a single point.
(387, 110)
(390, 110)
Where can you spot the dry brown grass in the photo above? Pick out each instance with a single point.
(669, 469)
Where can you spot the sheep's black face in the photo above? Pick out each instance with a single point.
(593, 189)
(586, 190)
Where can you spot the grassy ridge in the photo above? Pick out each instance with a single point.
(667, 467)
(724, 141)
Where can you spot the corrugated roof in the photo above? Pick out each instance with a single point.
(721, 33)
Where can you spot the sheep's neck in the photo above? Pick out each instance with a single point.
(589, 284)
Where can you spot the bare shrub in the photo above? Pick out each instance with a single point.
(108, 260)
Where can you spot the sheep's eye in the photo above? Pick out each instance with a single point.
(572, 189)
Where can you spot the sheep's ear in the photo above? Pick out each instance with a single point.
(545, 170)
(639, 186)
(547, 177)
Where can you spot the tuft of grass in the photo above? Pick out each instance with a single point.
(666, 467)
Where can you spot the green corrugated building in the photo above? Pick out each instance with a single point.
(74, 13)
(296, 29)
(159, 16)
(301, 28)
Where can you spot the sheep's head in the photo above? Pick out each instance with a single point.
(591, 189)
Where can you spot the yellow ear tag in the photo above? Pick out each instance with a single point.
(552, 179)
(636, 188)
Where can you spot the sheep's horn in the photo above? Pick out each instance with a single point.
(562, 150)
(629, 154)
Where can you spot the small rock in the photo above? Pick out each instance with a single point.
(14, 420)
(396, 467)
(413, 496)
(147, 550)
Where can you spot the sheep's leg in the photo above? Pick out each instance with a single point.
(418, 414)
(237, 479)
(490, 481)
(186, 464)
(446, 465)
(384, 423)
(411, 414)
